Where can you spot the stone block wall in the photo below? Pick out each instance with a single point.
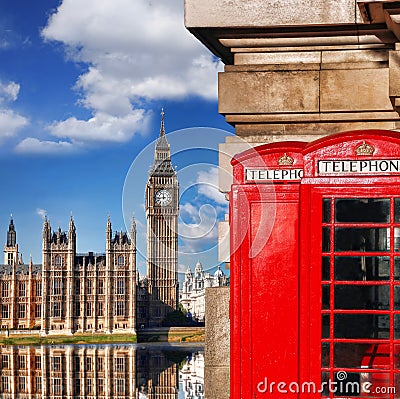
(216, 356)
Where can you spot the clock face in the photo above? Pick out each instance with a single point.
(163, 197)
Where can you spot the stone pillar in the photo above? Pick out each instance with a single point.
(108, 280)
(69, 371)
(216, 354)
(108, 368)
(45, 275)
(95, 354)
(14, 297)
(45, 376)
(29, 292)
(69, 322)
(95, 278)
(82, 371)
(132, 371)
(83, 296)
(132, 278)
(14, 368)
(30, 357)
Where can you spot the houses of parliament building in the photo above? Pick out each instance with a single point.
(71, 292)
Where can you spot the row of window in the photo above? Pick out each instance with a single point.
(57, 310)
(119, 309)
(58, 260)
(21, 311)
(57, 362)
(5, 289)
(58, 286)
(57, 386)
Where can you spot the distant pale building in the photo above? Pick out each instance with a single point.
(193, 293)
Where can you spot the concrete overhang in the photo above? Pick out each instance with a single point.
(382, 12)
(224, 24)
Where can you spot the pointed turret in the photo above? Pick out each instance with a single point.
(71, 234)
(109, 228)
(71, 227)
(199, 267)
(11, 234)
(11, 248)
(162, 155)
(133, 232)
(46, 232)
(59, 233)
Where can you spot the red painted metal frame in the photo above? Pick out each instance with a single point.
(264, 285)
(276, 295)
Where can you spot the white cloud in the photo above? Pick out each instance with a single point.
(101, 127)
(10, 123)
(41, 212)
(190, 211)
(32, 145)
(207, 182)
(135, 51)
(198, 225)
(9, 91)
(200, 233)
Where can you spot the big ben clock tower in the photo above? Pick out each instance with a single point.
(162, 206)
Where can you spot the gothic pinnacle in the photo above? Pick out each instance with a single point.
(162, 128)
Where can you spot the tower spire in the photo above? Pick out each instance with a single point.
(71, 223)
(162, 155)
(133, 223)
(162, 127)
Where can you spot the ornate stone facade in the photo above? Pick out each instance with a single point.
(89, 292)
(193, 294)
(162, 207)
(71, 292)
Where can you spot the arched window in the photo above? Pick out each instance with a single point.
(58, 261)
(121, 260)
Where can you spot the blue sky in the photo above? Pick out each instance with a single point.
(82, 84)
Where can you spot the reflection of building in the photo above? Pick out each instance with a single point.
(73, 292)
(191, 377)
(157, 374)
(87, 371)
(192, 296)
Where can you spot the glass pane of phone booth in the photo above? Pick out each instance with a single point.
(360, 291)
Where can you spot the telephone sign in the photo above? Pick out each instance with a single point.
(315, 268)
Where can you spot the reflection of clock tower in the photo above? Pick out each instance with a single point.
(162, 205)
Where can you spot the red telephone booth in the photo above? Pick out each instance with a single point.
(315, 308)
(265, 266)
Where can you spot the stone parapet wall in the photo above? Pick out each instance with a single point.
(216, 355)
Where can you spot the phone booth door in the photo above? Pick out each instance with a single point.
(352, 269)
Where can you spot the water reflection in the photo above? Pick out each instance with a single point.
(102, 371)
